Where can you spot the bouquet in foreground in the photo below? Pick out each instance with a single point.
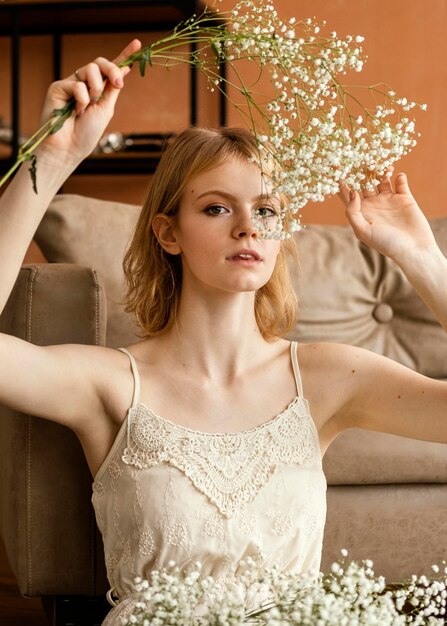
(313, 130)
(351, 595)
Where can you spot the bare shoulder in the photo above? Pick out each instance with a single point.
(341, 383)
(102, 377)
(340, 368)
(330, 373)
(71, 384)
(335, 358)
(110, 371)
(322, 358)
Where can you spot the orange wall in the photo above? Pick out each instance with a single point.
(405, 42)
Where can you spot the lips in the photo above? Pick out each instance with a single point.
(245, 255)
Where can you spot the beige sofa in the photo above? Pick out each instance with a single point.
(387, 496)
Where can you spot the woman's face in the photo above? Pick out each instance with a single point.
(220, 245)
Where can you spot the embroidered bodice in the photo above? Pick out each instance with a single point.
(168, 493)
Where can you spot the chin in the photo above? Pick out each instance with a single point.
(249, 287)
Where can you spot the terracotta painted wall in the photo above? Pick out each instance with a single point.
(406, 45)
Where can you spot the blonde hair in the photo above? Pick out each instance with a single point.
(154, 277)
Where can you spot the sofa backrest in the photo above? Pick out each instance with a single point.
(348, 293)
(351, 294)
(46, 519)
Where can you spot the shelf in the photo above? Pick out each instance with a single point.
(92, 16)
(19, 18)
(116, 163)
(120, 163)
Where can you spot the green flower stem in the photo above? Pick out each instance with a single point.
(28, 148)
(11, 170)
(186, 33)
(157, 54)
(294, 115)
(163, 52)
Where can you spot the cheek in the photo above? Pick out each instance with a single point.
(198, 253)
(275, 259)
(197, 247)
(276, 249)
(199, 240)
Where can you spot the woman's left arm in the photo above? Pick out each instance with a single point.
(376, 393)
(390, 221)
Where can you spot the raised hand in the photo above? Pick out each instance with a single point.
(94, 88)
(389, 219)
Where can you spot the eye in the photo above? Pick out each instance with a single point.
(215, 209)
(266, 211)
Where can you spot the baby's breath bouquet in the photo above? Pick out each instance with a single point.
(350, 595)
(313, 130)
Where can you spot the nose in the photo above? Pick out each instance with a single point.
(245, 228)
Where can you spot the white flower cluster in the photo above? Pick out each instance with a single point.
(319, 132)
(351, 595)
(171, 598)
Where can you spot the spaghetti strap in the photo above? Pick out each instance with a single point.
(296, 368)
(136, 377)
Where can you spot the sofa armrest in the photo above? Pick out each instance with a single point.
(46, 518)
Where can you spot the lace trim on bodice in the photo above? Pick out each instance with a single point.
(230, 469)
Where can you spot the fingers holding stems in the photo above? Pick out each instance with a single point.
(92, 89)
(131, 48)
(353, 200)
(384, 186)
(362, 208)
(101, 79)
(401, 185)
(96, 83)
(386, 183)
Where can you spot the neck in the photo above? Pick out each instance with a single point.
(217, 336)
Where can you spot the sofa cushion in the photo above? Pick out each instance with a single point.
(363, 457)
(94, 233)
(351, 294)
(402, 528)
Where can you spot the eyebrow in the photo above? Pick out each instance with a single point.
(229, 196)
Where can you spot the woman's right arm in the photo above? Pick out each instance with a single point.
(43, 380)
(21, 209)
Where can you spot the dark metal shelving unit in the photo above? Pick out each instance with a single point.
(20, 18)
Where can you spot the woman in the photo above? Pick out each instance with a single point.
(194, 456)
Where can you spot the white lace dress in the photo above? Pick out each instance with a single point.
(168, 493)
